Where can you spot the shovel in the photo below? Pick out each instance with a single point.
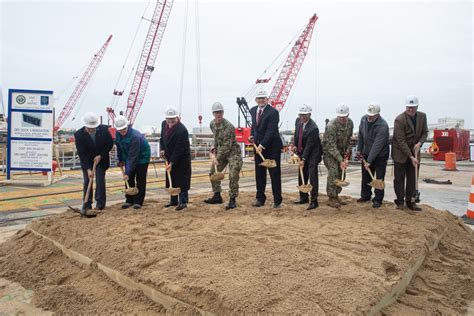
(128, 190)
(172, 191)
(216, 176)
(375, 183)
(342, 183)
(84, 211)
(416, 195)
(293, 160)
(267, 163)
(305, 187)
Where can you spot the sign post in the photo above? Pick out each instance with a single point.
(30, 131)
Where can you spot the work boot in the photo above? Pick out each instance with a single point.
(215, 199)
(341, 201)
(313, 205)
(231, 204)
(334, 203)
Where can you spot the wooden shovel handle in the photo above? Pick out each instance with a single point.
(368, 169)
(89, 187)
(259, 153)
(168, 173)
(123, 174)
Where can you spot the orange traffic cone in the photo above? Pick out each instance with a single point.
(469, 216)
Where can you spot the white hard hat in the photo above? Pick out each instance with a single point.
(373, 109)
(171, 112)
(411, 101)
(217, 106)
(342, 110)
(304, 109)
(261, 94)
(120, 122)
(90, 120)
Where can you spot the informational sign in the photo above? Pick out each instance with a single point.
(30, 130)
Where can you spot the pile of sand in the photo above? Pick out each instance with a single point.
(247, 260)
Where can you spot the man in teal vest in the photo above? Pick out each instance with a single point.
(133, 152)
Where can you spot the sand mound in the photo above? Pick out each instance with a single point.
(247, 260)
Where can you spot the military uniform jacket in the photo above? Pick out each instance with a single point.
(405, 136)
(337, 139)
(311, 143)
(87, 150)
(266, 132)
(224, 139)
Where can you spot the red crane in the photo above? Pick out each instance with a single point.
(285, 81)
(86, 77)
(146, 62)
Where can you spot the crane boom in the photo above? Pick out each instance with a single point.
(292, 66)
(71, 102)
(147, 58)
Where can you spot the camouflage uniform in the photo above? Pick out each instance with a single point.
(228, 152)
(336, 143)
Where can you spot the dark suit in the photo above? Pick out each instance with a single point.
(311, 152)
(266, 133)
(405, 137)
(87, 150)
(178, 153)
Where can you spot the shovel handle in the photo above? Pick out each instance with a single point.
(259, 153)
(368, 169)
(168, 173)
(89, 187)
(123, 174)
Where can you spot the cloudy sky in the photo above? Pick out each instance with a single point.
(360, 52)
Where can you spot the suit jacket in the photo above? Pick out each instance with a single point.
(405, 136)
(87, 150)
(178, 153)
(311, 143)
(266, 132)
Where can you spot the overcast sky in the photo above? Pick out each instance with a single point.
(360, 52)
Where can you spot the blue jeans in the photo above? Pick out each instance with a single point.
(100, 198)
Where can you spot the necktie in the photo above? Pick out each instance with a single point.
(259, 114)
(300, 139)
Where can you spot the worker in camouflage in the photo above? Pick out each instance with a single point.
(226, 151)
(336, 149)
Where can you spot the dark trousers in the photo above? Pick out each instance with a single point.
(138, 176)
(402, 172)
(100, 199)
(310, 171)
(378, 168)
(275, 175)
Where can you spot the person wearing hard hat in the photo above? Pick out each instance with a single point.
(265, 135)
(133, 152)
(336, 151)
(175, 148)
(226, 151)
(93, 144)
(409, 133)
(307, 145)
(374, 148)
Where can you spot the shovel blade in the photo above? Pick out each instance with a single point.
(217, 176)
(268, 163)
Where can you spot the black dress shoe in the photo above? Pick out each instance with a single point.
(181, 207)
(363, 200)
(171, 204)
(376, 204)
(301, 202)
(414, 207)
(258, 203)
(276, 205)
(313, 205)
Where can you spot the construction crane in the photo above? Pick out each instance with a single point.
(146, 62)
(83, 82)
(284, 82)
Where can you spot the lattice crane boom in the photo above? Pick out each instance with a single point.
(83, 82)
(292, 66)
